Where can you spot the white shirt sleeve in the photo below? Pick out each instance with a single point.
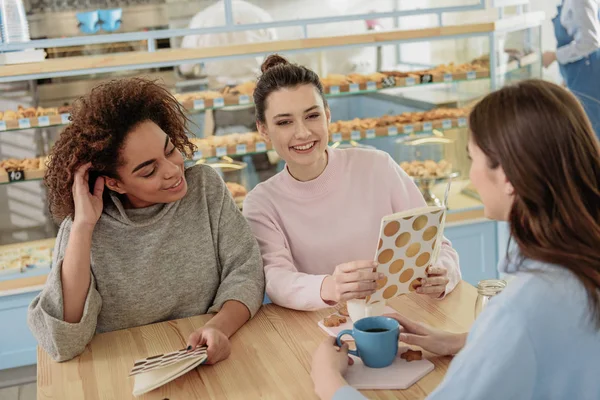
(583, 20)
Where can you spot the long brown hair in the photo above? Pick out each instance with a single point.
(539, 134)
(100, 122)
(278, 73)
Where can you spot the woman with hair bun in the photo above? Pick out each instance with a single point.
(142, 239)
(317, 222)
(536, 165)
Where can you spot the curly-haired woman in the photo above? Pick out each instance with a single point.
(142, 239)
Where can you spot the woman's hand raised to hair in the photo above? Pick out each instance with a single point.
(88, 206)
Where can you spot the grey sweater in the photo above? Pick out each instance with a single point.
(154, 264)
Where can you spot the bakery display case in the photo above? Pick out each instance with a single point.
(430, 161)
(19, 258)
(411, 102)
(233, 173)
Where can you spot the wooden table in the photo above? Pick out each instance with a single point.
(270, 358)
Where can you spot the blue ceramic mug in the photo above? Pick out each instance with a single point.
(376, 340)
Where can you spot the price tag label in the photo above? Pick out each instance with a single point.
(392, 131)
(24, 123)
(219, 102)
(426, 78)
(43, 121)
(261, 147)
(471, 75)
(447, 124)
(64, 118)
(354, 87)
(199, 104)
(198, 155)
(427, 126)
(355, 135)
(334, 90)
(410, 81)
(241, 149)
(390, 81)
(16, 176)
(371, 134)
(408, 129)
(462, 122)
(336, 137)
(448, 78)
(243, 99)
(2, 126)
(221, 151)
(371, 85)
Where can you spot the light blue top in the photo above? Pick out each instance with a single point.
(533, 341)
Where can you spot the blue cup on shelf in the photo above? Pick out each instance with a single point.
(89, 22)
(376, 340)
(110, 19)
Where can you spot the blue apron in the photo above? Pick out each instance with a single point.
(583, 76)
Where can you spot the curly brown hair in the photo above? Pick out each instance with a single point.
(99, 125)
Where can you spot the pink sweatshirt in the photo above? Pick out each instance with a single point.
(306, 229)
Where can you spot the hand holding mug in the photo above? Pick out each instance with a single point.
(329, 365)
(376, 340)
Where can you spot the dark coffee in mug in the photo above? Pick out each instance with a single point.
(375, 351)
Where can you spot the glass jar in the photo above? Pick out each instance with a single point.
(487, 289)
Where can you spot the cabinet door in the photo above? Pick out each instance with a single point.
(476, 246)
(17, 344)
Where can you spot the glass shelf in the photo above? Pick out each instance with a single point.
(413, 130)
(21, 176)
(229, 101)
(232, 101)
(34, 122)
(417, 129)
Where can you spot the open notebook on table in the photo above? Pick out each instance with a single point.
(153, 372)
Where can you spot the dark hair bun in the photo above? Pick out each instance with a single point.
(272, 61)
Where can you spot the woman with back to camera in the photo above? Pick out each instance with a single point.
(142, 239)
(536, 164)
(317, 222)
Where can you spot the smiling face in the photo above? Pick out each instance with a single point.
(296, 122)
(152, 169)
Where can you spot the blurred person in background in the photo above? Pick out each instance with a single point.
(238, 119)
(577, 31)
(228, 72)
